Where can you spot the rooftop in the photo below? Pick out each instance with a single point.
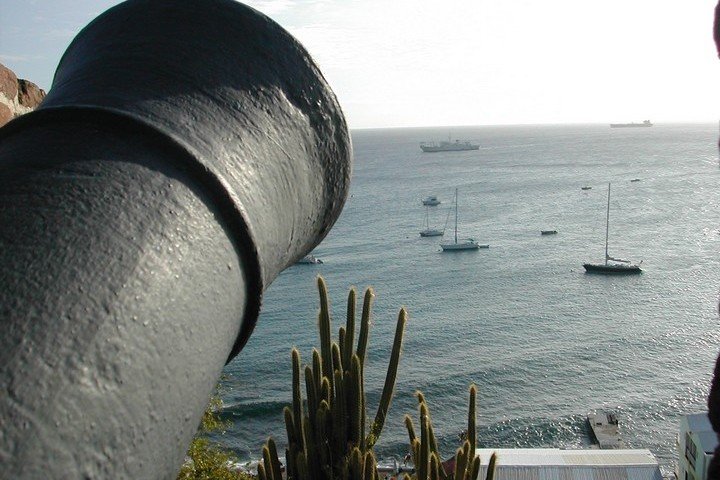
(698, 422)
(545, 463)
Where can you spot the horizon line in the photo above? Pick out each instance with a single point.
(545, 124)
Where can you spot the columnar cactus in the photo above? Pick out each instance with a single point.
(326, 434)
(428, 463)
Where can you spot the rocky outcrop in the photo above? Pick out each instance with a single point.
(17, 96)
(29, 94)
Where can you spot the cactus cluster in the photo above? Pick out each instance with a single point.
(327, 432)
(426, 457)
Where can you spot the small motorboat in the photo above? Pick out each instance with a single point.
(310, 260)
(586, 187)
(548, 232)
(431, 201)
(392, 467)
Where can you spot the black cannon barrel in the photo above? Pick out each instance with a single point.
(187, 152)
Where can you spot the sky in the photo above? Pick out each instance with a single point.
(411, 63)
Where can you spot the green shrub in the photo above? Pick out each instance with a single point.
(205, 459)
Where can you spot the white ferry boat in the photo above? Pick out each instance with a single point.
(448, 146)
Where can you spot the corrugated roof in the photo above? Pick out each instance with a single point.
(557, 456)
(574, 473)
(557, 464)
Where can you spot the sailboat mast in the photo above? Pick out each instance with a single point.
(456, 208)
(607, 225)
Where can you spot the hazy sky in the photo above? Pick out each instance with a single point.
(399, 63)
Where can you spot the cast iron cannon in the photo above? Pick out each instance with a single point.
(187, 152)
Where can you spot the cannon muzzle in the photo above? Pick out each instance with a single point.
(187, 152)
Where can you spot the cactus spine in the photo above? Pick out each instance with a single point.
(326, 440)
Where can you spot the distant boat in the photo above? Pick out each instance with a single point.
(448, 146)
(548, 232)
(427, 231)
(645, 123)
(611, 265)
(635, 180)
(466, 244)
(586, 188)
(310, 259)
(431, 201)
(392, 467)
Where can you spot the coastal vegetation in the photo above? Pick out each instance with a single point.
(206, 460)
(326, 432)
(465, 465)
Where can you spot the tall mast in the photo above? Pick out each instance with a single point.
(607, 225)
(456, 215)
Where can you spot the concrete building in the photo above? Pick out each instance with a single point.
(554, 463)
(696, 443)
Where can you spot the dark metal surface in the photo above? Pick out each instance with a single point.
(187, 152)
(714, 395)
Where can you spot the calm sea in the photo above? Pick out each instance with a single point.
(544, 342)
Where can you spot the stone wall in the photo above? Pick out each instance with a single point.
(17, 96)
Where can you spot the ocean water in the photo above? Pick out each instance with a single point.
(544, 342)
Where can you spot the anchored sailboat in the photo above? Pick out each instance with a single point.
(611, 265)
(466, 244)
(427, 231)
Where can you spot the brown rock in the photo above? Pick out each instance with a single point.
(17, 96)
(29, 94)
(8, 82)
(5, 114)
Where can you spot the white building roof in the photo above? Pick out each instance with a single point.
(553, 463)
(708, 441)
(698, 422)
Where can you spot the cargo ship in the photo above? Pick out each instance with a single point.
(448, 146)
(645, 123)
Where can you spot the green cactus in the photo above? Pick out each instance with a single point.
(326, 434)
(387, 392)
(326, 439)
(428, 463)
